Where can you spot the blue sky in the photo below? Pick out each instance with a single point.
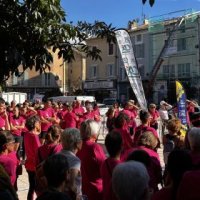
(119, 12)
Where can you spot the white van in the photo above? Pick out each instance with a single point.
(70, 99)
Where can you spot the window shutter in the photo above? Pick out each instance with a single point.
(14, 79)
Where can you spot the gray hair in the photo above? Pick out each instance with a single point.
(89, 128)
(194, 138)
(70, 138)
(130, 181)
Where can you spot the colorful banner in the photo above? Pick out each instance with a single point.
(181, 103)
(126, 50)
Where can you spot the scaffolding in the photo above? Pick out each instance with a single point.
(159, 25)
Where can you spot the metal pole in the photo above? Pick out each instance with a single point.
(64, 78)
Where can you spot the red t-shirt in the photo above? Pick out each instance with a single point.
(31, 143)
(9, 166)
(92, 156)
(70, 120)
(106, 173)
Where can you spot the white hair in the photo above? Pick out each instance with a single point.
(130, 181)
(194, 138)
(89, 128)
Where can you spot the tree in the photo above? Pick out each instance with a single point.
(29, 27)
(151, 2)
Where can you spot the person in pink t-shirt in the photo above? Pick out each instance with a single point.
(17, 125)
(89, 114)
(113, 143)
(12, 154)
(145, 126)
(4, 121)
(63, 111)
(92, 156)
(154, 116)
(148, 142)
(79, 111)
(51, 145)
(121, 125)
(70, 119)
(8, 164)
(32, 143)
(96, 111)
(47, 116)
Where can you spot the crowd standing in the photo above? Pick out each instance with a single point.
(57, 143)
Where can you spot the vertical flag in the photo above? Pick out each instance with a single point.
(126, 50)
(181, 103)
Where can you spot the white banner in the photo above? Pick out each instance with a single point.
(126, 50)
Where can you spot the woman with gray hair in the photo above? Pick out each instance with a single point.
(194, 142)
(92, 156)
(130, 181)
(72, 142)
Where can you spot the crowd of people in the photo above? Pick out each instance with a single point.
(58, 144)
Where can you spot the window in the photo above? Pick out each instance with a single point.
(182, 29)
(168, 31)
(110, 70)
(93, 71)
(168, 71)
(110, 49)
(138, 38)
(139, 51)
(181, 44)
(123, 75)
(47, 80)
(184, 70)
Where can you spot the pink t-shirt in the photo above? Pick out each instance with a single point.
(70, 120)
(78, 110)
(47, 150)
(31, 143)
(154, 117)
(189, 186)
(92, 156)
(9, 166)
(163, 194)
(154, 170)
(46, 113)
(17, 122)
(126, 138)
(2, 120)
(13, 156)
(88, 115)
(195, 159)
(141, 129)
(106, 173)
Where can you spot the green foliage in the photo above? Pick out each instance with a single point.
(29, 28)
